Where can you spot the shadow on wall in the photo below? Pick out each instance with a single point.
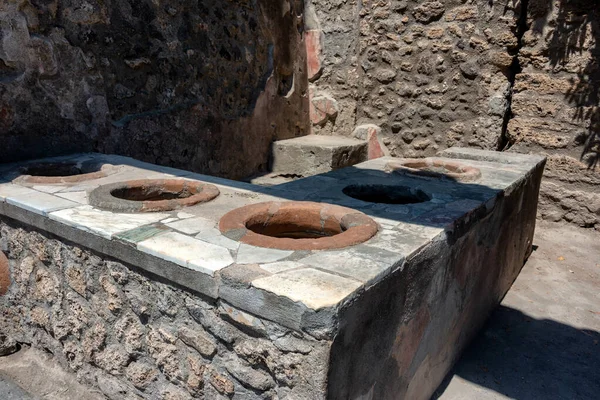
(576, 22)
(526, 358)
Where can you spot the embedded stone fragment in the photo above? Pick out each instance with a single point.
(141, 374)
(372, 134)
(323, 108)
(197, 340)
(4, 274)
(252, 377)
(429, 11)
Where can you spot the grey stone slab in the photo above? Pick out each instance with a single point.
(248, 254)
(281, 266)
(313, 288)
(313, 154)
(80, 197)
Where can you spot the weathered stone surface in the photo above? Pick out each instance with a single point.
(151, 80)
(313, 154)
(556, 106)
(424, 72)
(372, 134)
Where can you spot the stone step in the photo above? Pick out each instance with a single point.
(315, 154)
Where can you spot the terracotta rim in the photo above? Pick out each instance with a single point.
(96, 171)
(4, 274)
(339, 226)
(185, 193)
(422, 167)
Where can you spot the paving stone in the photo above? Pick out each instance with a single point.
(316, 289)
(103, 223)
(248, 254)
(187, 252)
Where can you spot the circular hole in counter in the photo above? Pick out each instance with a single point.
(62, 172)
(386, 194)
(434, 168)
(148, 195)
(297, 225)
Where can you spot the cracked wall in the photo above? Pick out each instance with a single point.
(201, 85)
(556, 109)
(500, 75)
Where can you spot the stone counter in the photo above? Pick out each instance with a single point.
(163, 304)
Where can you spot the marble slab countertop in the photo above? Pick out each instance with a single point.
(186, 247)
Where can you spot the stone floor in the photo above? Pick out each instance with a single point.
(543, 342)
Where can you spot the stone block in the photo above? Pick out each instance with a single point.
(395, 309)
(314, 154)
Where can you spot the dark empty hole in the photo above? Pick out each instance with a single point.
(386, 194)
(293, 231)
(54, 169)
(150, 194)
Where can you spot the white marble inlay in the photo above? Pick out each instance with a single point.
(9, 190)
(187, 252)
(40, 203)
(104, 223)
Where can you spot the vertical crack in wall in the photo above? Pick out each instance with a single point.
(504, 143)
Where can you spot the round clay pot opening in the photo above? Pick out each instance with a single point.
(62, 172)
(298, 225)
(433, 168)
(386, 194)
(151, 195)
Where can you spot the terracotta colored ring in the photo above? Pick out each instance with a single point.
(419, 167)
(103, 198)
(4, 274)
(354, 226)
(104, 171)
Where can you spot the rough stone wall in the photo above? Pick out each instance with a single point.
(556, 105)
(431, 74)
(203, 85)
(501, 75)
(137, 338)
